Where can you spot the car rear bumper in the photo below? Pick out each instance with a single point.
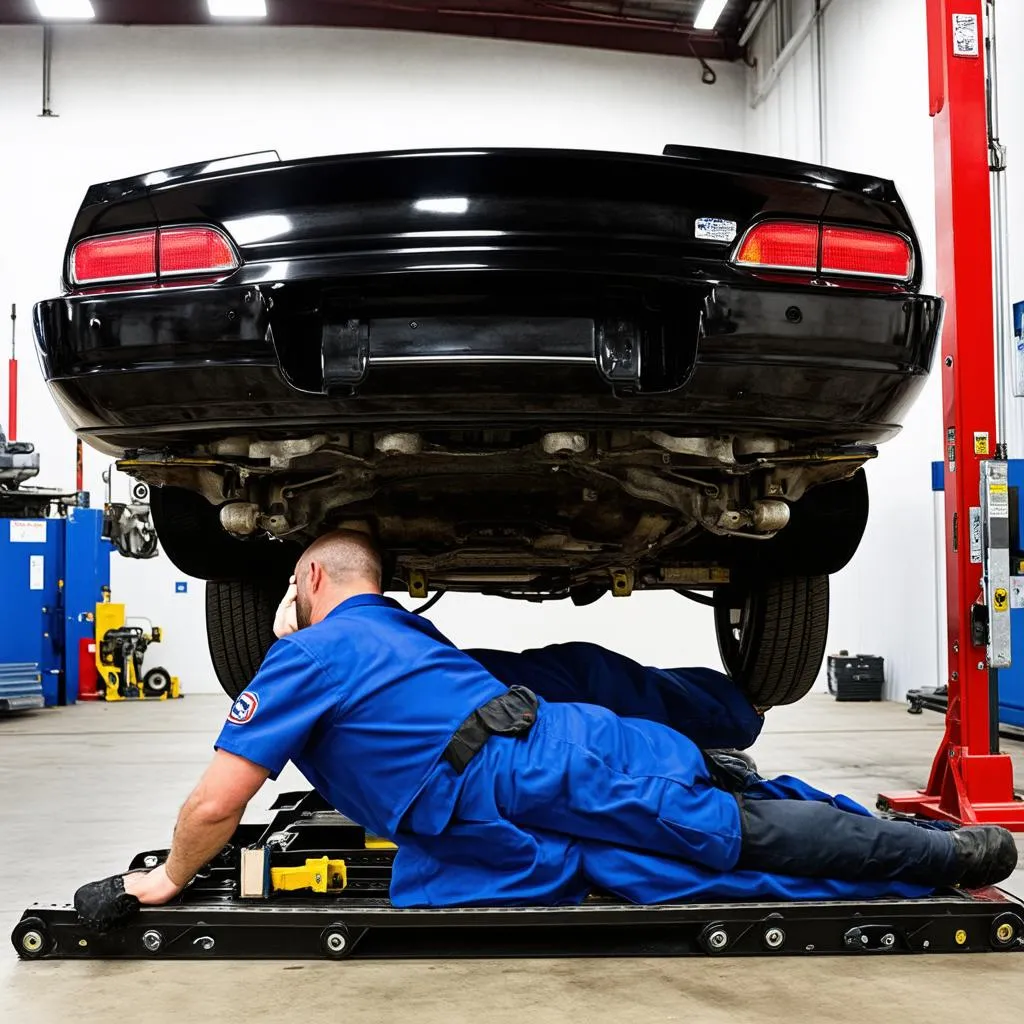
(152, 369)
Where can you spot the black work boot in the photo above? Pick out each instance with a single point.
(985, 854)
(731, 753)
(733, 770)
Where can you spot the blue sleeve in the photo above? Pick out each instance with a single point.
(271, 721)
(701, 703)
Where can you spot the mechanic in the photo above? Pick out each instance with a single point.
(517, 779)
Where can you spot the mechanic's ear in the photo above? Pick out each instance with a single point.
(316, 576)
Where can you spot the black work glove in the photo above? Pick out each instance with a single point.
(104, 905)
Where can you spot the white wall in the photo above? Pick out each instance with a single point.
(785, 121)
(876, 121)
(131, 100)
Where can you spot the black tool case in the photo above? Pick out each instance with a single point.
(856, 676)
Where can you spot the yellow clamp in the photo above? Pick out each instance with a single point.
(319, 874)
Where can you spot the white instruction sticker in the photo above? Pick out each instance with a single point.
(28, 531)
(975, 535)
(965, 35)
(36, 571)
(1017, 591)
(715, 229)
(998, 501)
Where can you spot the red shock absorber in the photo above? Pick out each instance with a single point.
(12, 383)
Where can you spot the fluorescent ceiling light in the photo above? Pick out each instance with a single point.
(65, 8)
(449, 204)
(708, 16)
(237, 8)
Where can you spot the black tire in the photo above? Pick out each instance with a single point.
(190, 533)
(772, 637)
(825, 529)
(240, 628)
(156, 682)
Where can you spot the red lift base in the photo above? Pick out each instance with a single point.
(967, 788)
(969, 782)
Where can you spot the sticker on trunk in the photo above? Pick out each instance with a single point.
(715, 229)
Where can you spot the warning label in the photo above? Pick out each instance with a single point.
(28, 531)
(976, 535)
(981, 442)
(1000, 599)
(998, 501)
(965, 35)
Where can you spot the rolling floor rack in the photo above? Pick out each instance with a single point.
(317, 888)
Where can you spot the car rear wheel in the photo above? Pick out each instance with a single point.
(772, 636)
(189, 530)
(240, 628)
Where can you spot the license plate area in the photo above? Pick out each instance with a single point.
(352, 349)
(481, 338)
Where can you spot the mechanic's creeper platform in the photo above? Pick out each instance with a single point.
(321, 892)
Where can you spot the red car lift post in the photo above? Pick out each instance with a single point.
(969, 782)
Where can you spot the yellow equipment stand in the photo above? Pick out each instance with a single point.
(118, 676)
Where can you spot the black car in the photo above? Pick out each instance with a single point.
(535, 374)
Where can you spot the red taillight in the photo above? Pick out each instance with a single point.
(865, 253)
(194, 251)
(781, 246)
(115, 258)
(858, 252)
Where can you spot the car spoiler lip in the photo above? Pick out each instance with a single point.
(737, 162)
(125, 188)
(729, 161)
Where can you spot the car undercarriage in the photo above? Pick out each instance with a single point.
(521, 513)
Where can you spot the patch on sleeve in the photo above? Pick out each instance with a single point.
(244, 708)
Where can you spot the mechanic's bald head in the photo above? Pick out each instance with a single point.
(332, 569)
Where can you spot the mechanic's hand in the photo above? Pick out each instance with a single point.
(151, 888)
(113, 902)
(284, 621)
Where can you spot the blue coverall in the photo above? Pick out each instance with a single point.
(609, 790)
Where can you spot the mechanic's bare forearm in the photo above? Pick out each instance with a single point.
(203, 829)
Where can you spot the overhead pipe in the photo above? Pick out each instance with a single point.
(755, 19)
(819, 75)
(12, 381)
(787, 53)
(47, 68)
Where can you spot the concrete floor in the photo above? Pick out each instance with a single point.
(85, 788)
